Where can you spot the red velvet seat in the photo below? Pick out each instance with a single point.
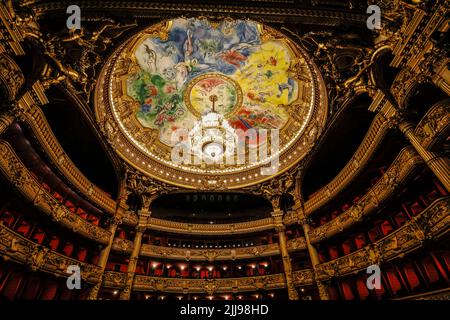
(373, 234)
(123, 268)
(122, 234)
(386, 227)
(347, 247)
(83, 214)
(335, 214)
(140, 268)
(7, 218)
(68, 249)
(172, 273)
(24, 228)
(324, 220)
(322, 256)
(334, 252)
(46, 187)
(58, 197)
(54, 243)
(380, 292)
(93, 219)
(39, 236)
(416, 208)
(81, 254)
(360, 241)
(70, 206)
(66, 294)
(400, 218)
(185, 273)
(433, 195)
(346, 206)
(446, 257)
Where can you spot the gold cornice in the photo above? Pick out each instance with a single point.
(16, 172)
(140, 160)
(363, 154)
(210, 229)
(398, 172)
(208, 286)
(163, 9)
(192, 254)
(10, 75)
(40, 127)
(19, 249)
(432, 223)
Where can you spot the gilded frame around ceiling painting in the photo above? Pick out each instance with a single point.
(141, 146)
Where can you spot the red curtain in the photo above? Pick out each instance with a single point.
(347, 291)
(394, 281)
(347, 247)
(411, 276)
(31, 289)
(49, 291)
(361, 286)
(430, 270)
(12, 285)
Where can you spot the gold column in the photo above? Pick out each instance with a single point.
(442, 84)
(438, 164)
(115, 221)
(126, 292)
(280, 228)
(313, 255)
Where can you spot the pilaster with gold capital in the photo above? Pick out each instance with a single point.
(277, 216)
(438, 164)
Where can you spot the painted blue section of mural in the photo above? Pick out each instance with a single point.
(210, 50)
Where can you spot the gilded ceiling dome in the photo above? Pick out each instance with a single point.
(157, 89)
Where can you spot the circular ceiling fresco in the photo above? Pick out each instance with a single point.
(210, 105)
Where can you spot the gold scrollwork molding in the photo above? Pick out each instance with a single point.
(374, 136)
(10, 75)
(40, 127)
(17, 248)
(208, 286)
(397, 173)
(434, 124)
(432, 223)
(189, 254)
(16, 172)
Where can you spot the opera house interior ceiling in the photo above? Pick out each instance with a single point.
(255, 150)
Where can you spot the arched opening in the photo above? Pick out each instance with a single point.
(210, 207)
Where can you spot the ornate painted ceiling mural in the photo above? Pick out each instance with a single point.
(239, 81)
